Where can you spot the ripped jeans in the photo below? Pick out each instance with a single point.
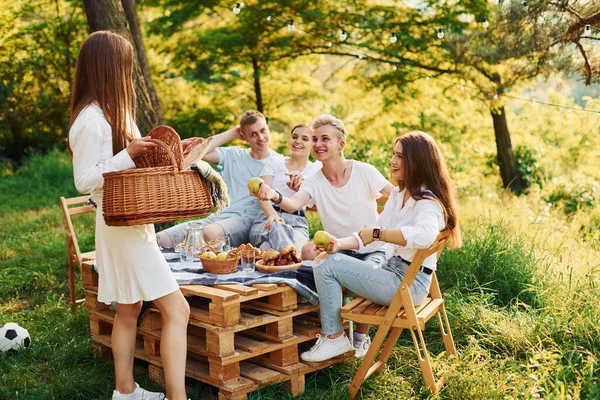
(363, 277)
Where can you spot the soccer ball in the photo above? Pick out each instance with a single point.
(13, 337)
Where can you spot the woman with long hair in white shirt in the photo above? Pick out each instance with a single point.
(274, 227)
(104, 138)
(423, 204)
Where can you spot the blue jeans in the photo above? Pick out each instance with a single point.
(294, 231)
(363, 278)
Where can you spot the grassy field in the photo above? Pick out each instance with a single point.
(523, 299)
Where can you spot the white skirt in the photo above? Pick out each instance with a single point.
(130, 265)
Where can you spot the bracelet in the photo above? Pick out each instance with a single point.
(279, 199)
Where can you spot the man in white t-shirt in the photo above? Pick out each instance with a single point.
(239, 166)
(344, 191)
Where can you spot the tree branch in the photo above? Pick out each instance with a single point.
(593, 19)
(382, 60)
(588, 67)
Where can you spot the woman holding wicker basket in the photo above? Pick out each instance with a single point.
(104, 138)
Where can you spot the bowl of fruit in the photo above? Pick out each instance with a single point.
(224, 262)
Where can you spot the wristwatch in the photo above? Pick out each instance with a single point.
(376, 233)
(279, 198)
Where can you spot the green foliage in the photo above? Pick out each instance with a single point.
(574, 197)
(529, 167)
(495, 261)
(37, 59)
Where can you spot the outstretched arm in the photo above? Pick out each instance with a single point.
(297, 201)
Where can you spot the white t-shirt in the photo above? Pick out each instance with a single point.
(275, 167)
(350, 208)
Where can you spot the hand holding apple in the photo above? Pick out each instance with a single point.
(334, 245)
(266, 193)
(321, 239)
(254, 185)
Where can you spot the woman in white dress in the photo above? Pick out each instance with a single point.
(104, 138)
(274, 227)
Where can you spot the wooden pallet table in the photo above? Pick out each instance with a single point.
(239, 338)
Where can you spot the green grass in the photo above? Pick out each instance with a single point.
(523, 304)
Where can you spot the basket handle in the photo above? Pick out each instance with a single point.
(169, 152)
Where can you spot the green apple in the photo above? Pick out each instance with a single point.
(322, 239)
(221, 256)
(254, 184)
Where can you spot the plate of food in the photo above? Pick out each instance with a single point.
(275, 261)
(247, 246)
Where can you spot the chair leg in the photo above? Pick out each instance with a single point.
(367, 361)
(71, 276)
(446, 332)
(387, 350)
(424, 360)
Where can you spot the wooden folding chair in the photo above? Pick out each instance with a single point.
(402, 314)
(75, 206)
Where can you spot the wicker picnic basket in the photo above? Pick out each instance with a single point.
(158, 190)
(227, 266)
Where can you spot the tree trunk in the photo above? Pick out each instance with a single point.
(257, 90)
(506, 158)
(110, 15)
(138, 40)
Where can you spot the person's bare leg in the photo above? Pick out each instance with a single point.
(309, 252)
(123, 345)
(213, 232)
(175, 312)
(164, 240)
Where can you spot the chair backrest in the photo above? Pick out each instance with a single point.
(437, 247)
(75, 206)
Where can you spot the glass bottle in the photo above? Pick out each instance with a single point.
(194, 242)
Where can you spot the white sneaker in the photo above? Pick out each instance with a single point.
(361, 346)
(326, 348)
(138, 394)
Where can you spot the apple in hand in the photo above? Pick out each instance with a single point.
(322, 239)
(254, 184)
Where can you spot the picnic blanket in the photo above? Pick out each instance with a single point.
(301, 279)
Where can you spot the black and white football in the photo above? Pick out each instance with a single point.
(13, 337)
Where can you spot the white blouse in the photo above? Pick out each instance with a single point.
(90, 139)
(420, 221)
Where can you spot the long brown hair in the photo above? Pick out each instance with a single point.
(104, 75)
(426, 176)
